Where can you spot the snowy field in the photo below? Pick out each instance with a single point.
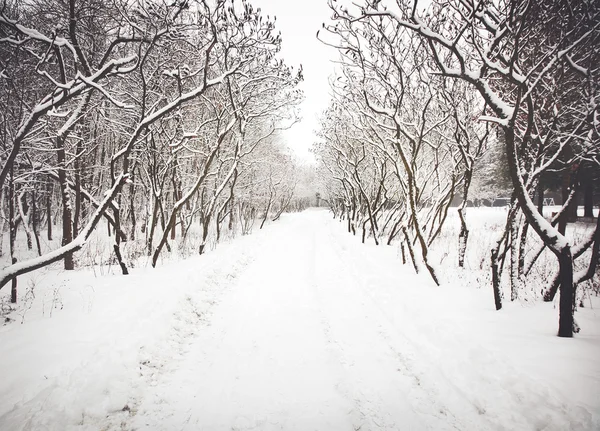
(295, 327)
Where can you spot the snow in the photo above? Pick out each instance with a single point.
(297, 326)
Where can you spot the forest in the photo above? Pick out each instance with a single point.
(434, 104)
(147, 118)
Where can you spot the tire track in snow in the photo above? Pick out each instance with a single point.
(417, 408)
(476, 387)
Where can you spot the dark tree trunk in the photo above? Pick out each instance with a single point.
(514, 259)
(205, 226)
(403, 253)
(588, 196)
(266, 213)
(177, 194)
(463, 236)
(117, 250)
(12, 231)
(13, 289)
(411, 252)
(565, 188)
(24, 213)
(522, 247)
(49, 191)
(567, 293)
(117, 244)
(496, 279)
(393, 234)
(132, 208)
(67, 218)
(2, 221)
(153, 223)
(173, 229)
(77, 213)
(35, 222)
(349, 219)
(232, 199)
(540, 193)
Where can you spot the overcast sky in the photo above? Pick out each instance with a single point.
(298, 21)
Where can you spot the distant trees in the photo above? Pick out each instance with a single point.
(534, 69)
(141, 113)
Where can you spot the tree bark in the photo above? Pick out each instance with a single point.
(49, 190)
(588, 194)
(567, 293)
(77, 212)
(13, 289)
(12, 230)
(67, 218)
(540, 193)
(35, 222)
(514, 258)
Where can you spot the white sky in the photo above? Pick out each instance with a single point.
(298, 21)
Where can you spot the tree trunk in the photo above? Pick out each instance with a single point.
(232, 203)
(496, 266)
(411, 252)
(403, 253)
(2, 221)
(67, 218)
(49, 190)
(132, 215)
(117, 244)
(394, 232)
(77, 212)
(173, 227)
(540, 193)
(35, 222)
(205, 226)
(463, 236)
(12, 230)
(522, 247)
(24, 218)
(496, 278)
(266, 213)
(13, 290)
(153, 223)
(588, 196)
(514, 258)
(567, 293)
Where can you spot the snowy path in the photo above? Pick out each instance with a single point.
(304, 342)
(297, 345)
(295, 327)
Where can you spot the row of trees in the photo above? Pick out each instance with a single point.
(424, 89)
(155, 116)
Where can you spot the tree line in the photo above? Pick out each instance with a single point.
(426, 91)
(149, 117)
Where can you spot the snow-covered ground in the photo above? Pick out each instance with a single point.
(295, 327)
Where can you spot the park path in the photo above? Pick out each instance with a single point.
(297, 344)
(317, 331)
